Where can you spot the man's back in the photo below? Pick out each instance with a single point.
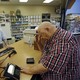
(60, 56)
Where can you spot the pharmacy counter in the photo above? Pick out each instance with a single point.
(24, 51)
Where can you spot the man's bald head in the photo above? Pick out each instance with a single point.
(46, 29)
(46, 25)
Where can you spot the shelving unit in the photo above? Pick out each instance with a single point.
(18, 25)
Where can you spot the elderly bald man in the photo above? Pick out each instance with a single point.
(59, 59)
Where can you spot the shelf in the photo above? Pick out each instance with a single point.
(18, 25)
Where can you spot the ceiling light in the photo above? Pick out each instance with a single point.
(23, 0)
(47, 1)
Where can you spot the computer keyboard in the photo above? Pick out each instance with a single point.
(3, 52)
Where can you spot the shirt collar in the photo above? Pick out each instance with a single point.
(55, 33)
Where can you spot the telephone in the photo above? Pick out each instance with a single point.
(12, 72)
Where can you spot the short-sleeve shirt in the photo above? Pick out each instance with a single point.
(2, 36)
(60, 57)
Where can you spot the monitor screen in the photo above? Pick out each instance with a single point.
(32, 27)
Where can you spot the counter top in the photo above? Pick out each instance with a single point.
(24, 51)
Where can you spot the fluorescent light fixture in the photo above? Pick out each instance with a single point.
(23, 0)
(47, 1)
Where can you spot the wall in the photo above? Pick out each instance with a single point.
(28, 10)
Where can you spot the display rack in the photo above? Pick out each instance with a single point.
(18, 25)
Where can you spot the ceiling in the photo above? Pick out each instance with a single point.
(32, 2)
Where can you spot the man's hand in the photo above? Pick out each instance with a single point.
(36, 69)
(40, 42)
(26, 70)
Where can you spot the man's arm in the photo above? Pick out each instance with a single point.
(36, 69)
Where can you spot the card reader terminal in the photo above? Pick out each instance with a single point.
(12, 71)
